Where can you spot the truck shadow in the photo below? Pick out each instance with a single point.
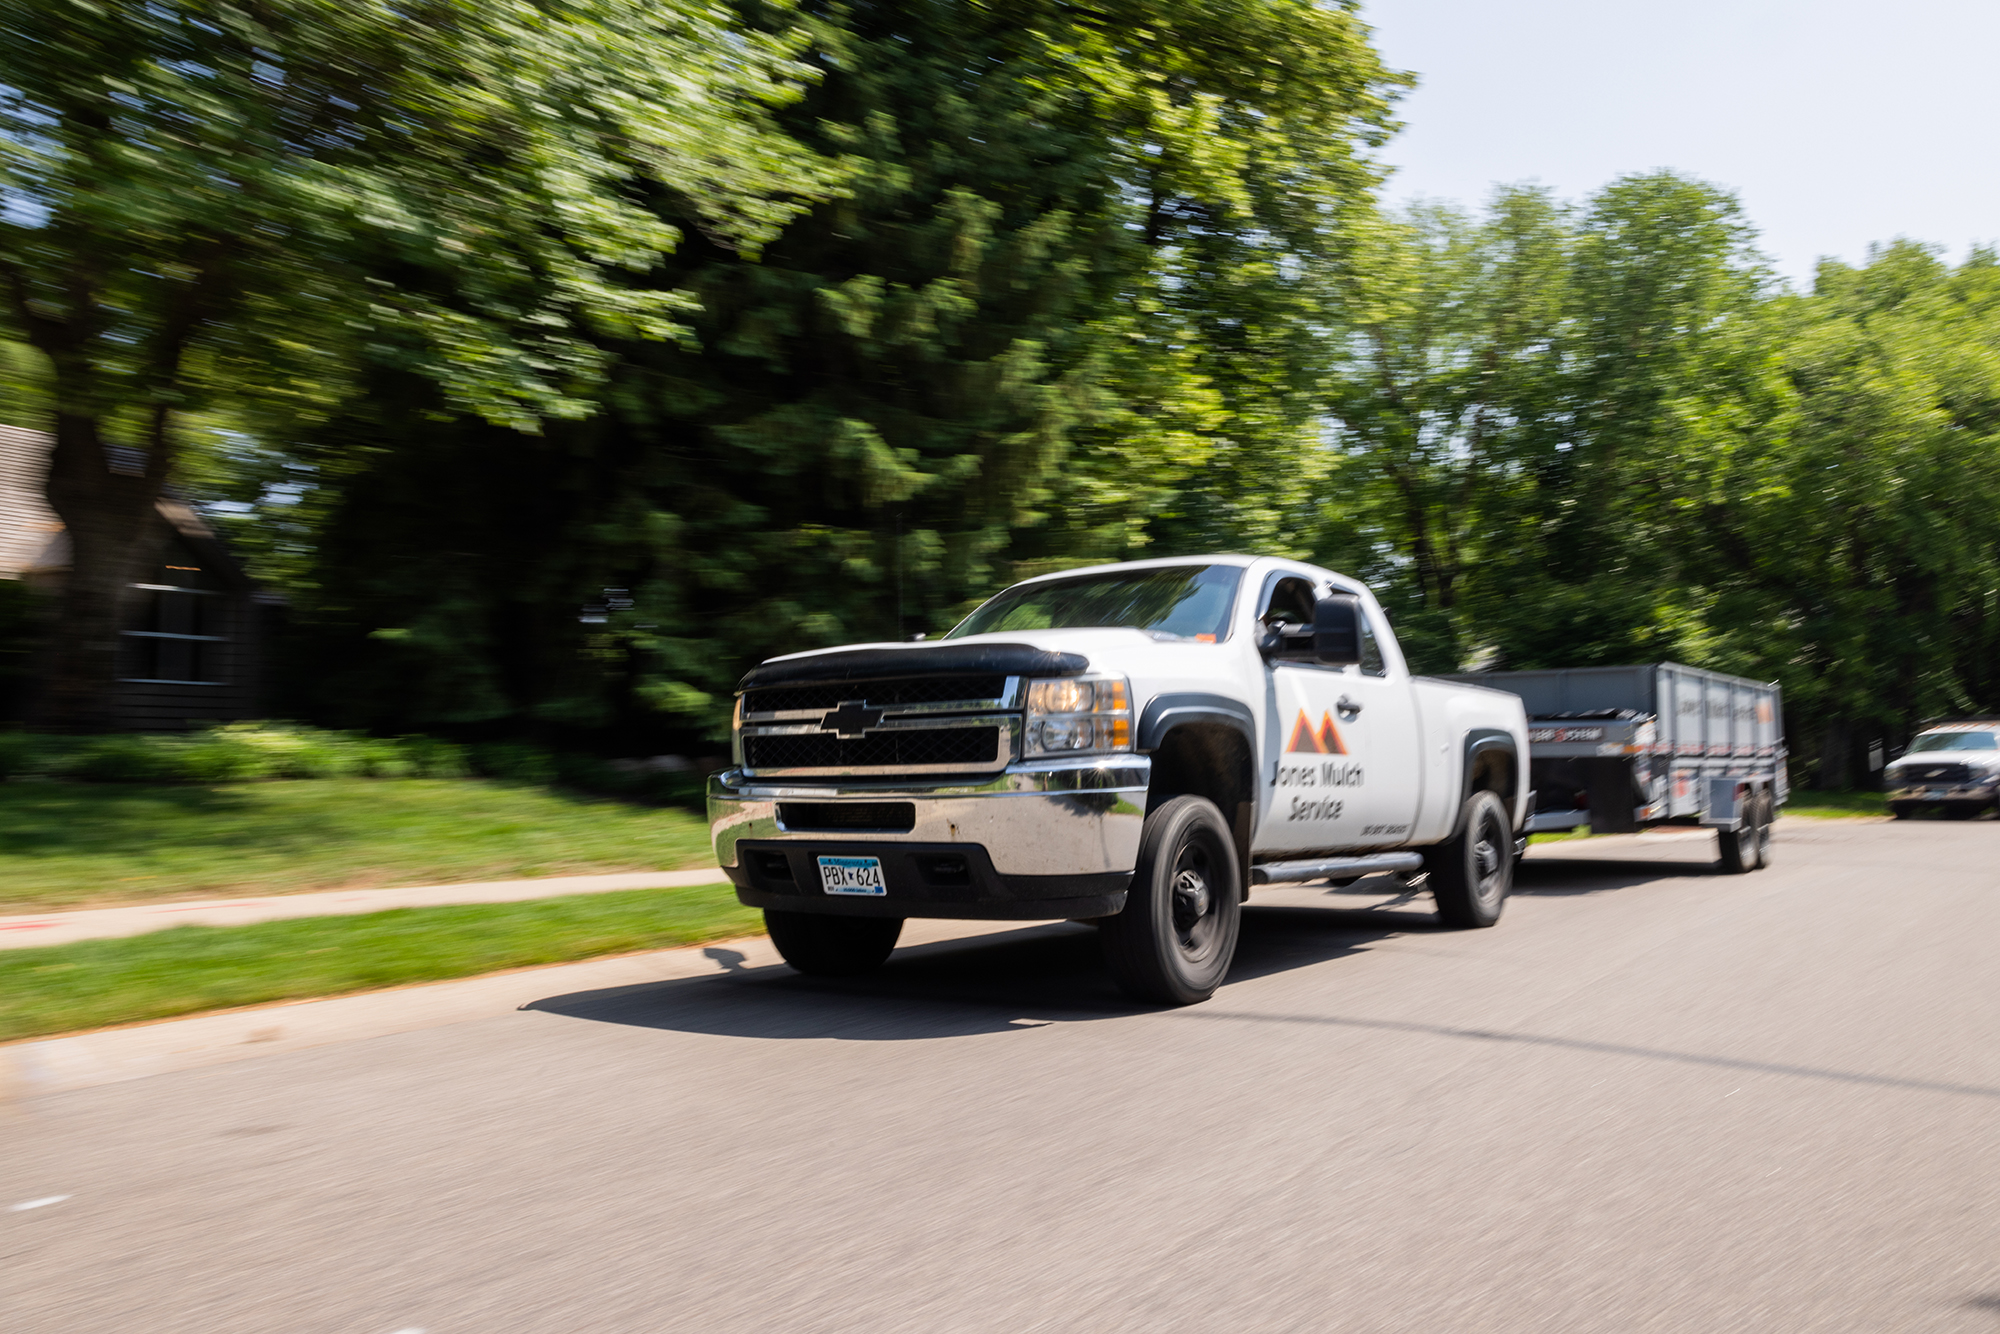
(1004, 983)
(1577, 875)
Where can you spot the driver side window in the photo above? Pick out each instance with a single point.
(1290, 603)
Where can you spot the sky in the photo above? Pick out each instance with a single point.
(1836, 123)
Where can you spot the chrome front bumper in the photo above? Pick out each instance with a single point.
(1036, 842)
(1062, 818)
(1936, 792)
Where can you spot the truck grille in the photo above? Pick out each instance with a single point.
(1935, 773)
(890, 748)
(878, 694)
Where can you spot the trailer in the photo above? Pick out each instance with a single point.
(1626, 748)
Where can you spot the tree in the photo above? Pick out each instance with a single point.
(1065, 273)
(1452, 370)
(207, 197)
(1543, 412)
(1874, 534)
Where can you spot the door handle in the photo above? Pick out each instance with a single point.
(1347, 708)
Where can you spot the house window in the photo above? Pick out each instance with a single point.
(177, 627)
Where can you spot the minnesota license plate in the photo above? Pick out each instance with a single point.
(851, 875)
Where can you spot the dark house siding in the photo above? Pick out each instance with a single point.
(192, 648)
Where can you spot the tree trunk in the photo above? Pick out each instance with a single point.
(1836, 756)
(108, 518)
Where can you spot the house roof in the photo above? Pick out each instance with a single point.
(29, 529)
(32, 539)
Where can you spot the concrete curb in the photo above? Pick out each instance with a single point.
(60, 928)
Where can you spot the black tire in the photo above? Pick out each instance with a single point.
(1962, 811)
(1173, 943)
(822, 946)
(1767, 807)
(1742, 848)
(1901, 811)
(1471, 875)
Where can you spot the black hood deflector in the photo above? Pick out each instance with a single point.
(867, 664)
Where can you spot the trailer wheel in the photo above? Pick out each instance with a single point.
(1471, 875)
(822, 946)
(1173, 942)
(1742, 848)
(1767, 815)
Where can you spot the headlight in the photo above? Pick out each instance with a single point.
(1078, 715)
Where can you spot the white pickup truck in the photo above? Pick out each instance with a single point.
(1134, 745)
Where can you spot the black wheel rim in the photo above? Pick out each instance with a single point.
(1489, 860)
(1193, 890)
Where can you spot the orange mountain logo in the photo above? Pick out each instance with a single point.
(1326, 741)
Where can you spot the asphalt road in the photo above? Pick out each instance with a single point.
(1653, 1098)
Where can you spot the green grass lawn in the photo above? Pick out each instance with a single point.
(73, 845)
(1836, 805)
(95, 983)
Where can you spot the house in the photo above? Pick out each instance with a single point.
(194, 624)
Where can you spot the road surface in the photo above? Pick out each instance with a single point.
(1653, 1098)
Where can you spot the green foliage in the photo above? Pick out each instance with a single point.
(619, 346)
(25, 386)
(209, 202)
(201, 187)
(1067, 304)
(233, 753)
(1541, 408)
(1872, 536)
(94, 983)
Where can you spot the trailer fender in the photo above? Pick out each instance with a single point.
(1730, 795)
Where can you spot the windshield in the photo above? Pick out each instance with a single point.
(1955, 741)
(1179, 602)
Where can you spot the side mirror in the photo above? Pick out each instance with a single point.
(1337, 630)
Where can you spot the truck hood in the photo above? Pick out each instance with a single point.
(1028, 653)
(1986, 760)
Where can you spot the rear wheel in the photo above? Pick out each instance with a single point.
(1173, 942)
(1901, 810)
(1471, 875)
(822, 946)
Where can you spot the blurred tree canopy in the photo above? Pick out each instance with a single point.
(564, 358)
(1072, 285)
(264, 200)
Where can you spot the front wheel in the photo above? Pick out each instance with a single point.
(1173, 942)
(1472, 875)
(822, 946)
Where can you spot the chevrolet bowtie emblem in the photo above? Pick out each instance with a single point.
(851, 719)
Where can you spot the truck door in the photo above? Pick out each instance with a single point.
(1342, 767)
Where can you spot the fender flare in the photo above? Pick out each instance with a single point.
(1163, 713)
(1480, 741)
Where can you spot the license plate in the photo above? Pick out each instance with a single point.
(851, 875)
(1936, 794)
